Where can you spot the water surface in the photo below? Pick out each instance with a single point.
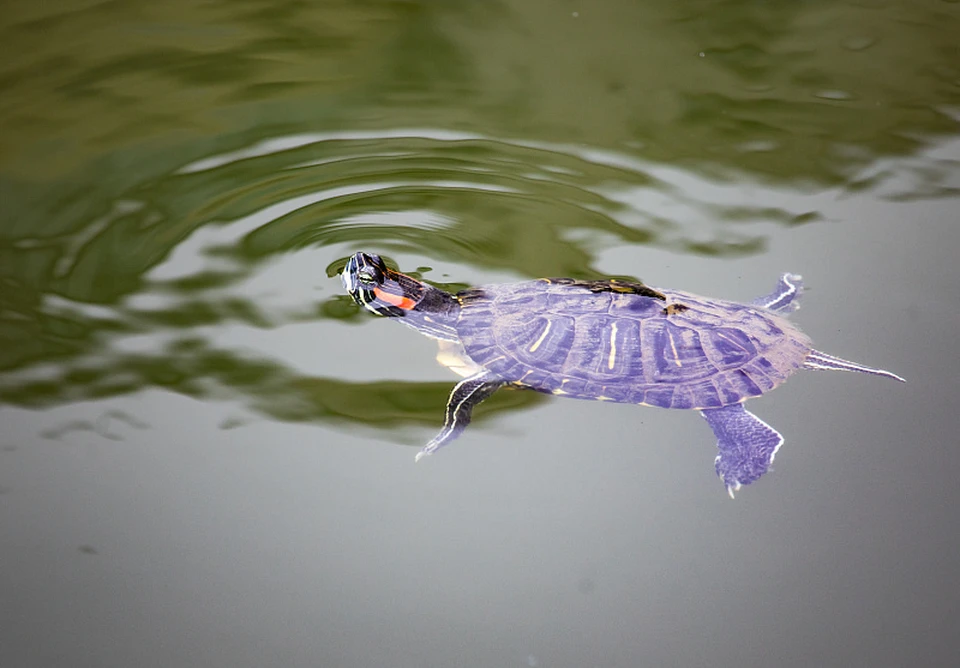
(206, 454)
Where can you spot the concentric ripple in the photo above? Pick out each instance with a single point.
(213, 280)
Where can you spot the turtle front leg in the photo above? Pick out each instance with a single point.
(785, 298)
(747, 445)
(463, 398)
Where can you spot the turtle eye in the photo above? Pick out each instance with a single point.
(369, 275)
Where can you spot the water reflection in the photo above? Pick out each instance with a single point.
(147, 294)
(169, 180)
(136, 298)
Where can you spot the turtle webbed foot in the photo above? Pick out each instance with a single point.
(739, 469)
(747, 445)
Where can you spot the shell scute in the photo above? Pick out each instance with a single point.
(659, 395)
(733, 345)
(574, 386)
(706, 394)
(595, 354)
(570, 299)
(679, 355)
(683, 398)
(620, 393)
(632, 306)
(542, 342)
(743, 385)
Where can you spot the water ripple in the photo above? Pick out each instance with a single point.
(212, 281)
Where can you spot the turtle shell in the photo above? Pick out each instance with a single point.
(629, 343)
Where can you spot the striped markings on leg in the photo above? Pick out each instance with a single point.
(463, 398)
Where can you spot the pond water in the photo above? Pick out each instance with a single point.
(206, 453)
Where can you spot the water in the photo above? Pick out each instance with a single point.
(207, 449)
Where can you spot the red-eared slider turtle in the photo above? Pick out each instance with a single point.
(609, 340)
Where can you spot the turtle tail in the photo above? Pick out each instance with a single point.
(822, 361)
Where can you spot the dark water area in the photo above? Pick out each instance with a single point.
(206, 448)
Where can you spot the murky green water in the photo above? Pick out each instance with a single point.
(207, 449)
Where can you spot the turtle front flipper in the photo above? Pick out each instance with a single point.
(463, 398)
(747, 445)
(784, 298)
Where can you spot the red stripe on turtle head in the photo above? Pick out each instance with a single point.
(400, 301)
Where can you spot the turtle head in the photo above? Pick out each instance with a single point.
(379, 289)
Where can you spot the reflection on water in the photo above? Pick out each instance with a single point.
(139, 296)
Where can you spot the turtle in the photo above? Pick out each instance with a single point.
(609, 340)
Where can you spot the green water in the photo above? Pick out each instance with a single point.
(207, 447)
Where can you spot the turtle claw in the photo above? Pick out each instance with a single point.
(428, 449)
(732, 487)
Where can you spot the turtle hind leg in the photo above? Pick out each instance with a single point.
(785, 298)
(747, 445)
(822, 361)
(463, 398)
